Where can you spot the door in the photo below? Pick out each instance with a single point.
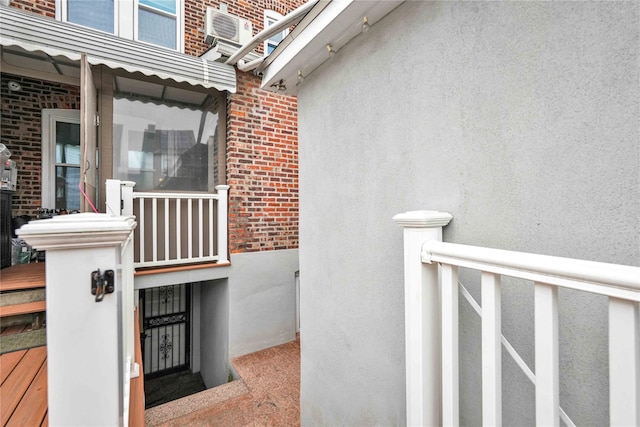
(88, 111)
(166, 329)
(61, 149)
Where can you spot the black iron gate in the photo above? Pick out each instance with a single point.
(166, 329)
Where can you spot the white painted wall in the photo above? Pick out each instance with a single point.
(521, 120)
(262, 300)
(214, 332)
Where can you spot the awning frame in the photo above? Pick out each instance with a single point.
(35, 33)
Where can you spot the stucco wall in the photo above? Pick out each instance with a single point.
(262, 300)
(521, 120)
(214, 332)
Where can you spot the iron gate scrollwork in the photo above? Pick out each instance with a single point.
(166, 329)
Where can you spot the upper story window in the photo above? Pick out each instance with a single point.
(159, 22)
(98, 14)
(270, 18)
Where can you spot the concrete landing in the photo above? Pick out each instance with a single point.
(267, 394)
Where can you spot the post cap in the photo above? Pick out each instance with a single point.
(78, 230)
(422, 219)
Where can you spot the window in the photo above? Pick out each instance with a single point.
(61, 159)
(162, 147)
(159, 22)
(98, 14)
(270, 18)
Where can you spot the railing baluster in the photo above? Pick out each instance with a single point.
(154, 227)
(624, 361)
(200, 228)
(491, 351)
(546, 355)
(450, 386)
(210, 227)
(221, 226)
(166, 229)
(141, 227)
(178, 230)
(189, 228)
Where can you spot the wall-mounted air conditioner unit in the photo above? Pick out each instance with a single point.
(221, 25)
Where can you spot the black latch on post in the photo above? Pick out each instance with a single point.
(101, 284)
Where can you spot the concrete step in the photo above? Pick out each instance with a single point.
(228, 404)
(22, 297)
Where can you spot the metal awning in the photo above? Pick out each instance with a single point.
(35, 37)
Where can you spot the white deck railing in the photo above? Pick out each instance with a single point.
(436, 327)
(173, 228)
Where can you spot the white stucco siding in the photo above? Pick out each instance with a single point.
(521, 120)
(262, 300)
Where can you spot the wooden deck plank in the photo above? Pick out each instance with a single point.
(136, 391)
(22, 276)
(19, 381)
(8, 362)
(26, 308)
(32, 409)
(45, 422)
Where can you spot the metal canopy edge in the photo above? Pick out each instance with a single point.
(36, 33)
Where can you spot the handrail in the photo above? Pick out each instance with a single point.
(163, 195)
(619, 282)
(554, 269)
(431, 289)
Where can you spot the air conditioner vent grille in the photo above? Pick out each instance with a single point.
(222, 25)
(225, 27)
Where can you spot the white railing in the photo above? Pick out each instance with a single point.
(431, 327)
(173, 228)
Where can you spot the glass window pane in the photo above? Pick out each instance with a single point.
(67, 191)
(163, 148)
(157, 29)
(96, 14)
(168, 6)
(68, 143)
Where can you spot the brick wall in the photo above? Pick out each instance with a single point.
(20, 131)
(262, 168)
(41, 7)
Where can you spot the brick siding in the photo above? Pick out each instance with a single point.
(262, 168)
(41, 7)
(20, 128)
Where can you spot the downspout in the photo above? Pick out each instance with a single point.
(288, 20)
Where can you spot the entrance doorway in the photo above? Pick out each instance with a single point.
(166, 329)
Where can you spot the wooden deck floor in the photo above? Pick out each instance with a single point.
(23, 373)
(23, 391)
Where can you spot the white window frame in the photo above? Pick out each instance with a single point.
(125, 16)
(272, 15)
(49, 119)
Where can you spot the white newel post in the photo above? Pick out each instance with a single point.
(222, 222)
(422, 317)
(87, 370)
(119, 197)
